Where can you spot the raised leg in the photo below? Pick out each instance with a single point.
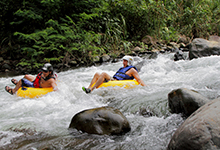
(100, 80)
(29, 77)
(94, 79)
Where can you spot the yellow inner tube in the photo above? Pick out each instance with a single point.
(31, 92)
(127, 84)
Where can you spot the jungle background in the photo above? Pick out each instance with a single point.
(37, 31)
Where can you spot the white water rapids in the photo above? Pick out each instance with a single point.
(52, 113)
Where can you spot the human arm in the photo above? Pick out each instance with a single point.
(54, 85)
(135, 74)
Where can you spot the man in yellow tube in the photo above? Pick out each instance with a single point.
(44, 79)
(127, 72)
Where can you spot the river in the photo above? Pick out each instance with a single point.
(43, 122)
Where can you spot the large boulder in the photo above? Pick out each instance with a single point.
(201, 131)
(201, 47)
(103, 120)
(185, 101)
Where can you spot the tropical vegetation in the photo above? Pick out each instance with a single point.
(39, 31)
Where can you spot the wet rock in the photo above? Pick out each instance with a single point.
(103, 120)
(20, 69)
(155, 51)
(1, 59)
(183, 39)
(169, 49)
(154, 55)
(162, 50)
(182, 45)
(185, 101)
(6, 66)
(174, 45)
(96, 59)
(214, 38)
(137, 49)
(149, 40)
(201, 48)
(105, 58)
(200, 131)
(73, 63)
(58, 66)
(179, 56)
(66, 66)
(140, 64)
(146, 112)
(24, 139)
(6, 61)
(134, 53)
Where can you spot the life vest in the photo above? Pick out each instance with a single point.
(120, 74)
(37, 80)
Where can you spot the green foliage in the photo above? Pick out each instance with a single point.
(127, 46)
(53, 43)
(168, 34)
(25, 63)
(59, 31)
(198, 14)
(28, 14)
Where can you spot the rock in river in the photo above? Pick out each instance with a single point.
(200, 131)
(103, 120)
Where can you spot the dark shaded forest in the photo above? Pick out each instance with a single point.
(38, 31)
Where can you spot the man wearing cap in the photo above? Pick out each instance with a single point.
(127, 72)
(44, 79)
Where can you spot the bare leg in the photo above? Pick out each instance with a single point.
(94, 79)
(18, 85)
(29, 77)
(98, 79)
(101, 79)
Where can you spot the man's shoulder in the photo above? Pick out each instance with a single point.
(51, 79)
(133, 70)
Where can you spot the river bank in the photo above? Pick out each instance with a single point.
(9, 67)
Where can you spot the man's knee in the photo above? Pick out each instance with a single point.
(26, 76)
(97, 75)
(104, 74)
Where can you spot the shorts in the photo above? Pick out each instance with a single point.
(111, 79)
(27, 83)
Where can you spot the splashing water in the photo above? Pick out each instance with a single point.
(44, 121)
